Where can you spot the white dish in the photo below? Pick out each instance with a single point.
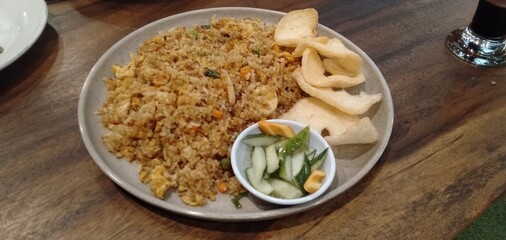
(241, 161)
(21, 23)
(350, 168)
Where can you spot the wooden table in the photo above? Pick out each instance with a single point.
(444, 165)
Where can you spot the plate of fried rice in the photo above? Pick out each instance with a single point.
(160, 110)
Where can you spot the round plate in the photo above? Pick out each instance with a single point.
(21, 23)
(352, 164)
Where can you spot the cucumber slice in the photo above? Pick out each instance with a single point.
(272, 158)
(297, 162)
(299, 142)
(311, 154)
(285, 169)
(260, 139)
(259, 184)
(303, 174)
(258, 161)
(317, 161)
(283, 189)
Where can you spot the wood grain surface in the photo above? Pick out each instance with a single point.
(444, 165)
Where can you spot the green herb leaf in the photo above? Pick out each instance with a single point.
(212, 74)
(237, 198)
(256, 51)
(193, 34)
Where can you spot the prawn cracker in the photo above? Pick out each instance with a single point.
(314, 70)
(342, 128)
(296, 25)
(351, 104)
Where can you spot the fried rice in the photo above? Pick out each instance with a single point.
(177, 106)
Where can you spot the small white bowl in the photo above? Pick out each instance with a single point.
(241, 161)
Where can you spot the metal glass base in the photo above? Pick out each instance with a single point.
(477, 50)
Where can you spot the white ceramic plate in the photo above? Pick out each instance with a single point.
(352, 164)
(21, 23)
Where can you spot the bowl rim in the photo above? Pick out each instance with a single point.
(329, 174)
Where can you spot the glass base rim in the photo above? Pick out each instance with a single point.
(476, 50)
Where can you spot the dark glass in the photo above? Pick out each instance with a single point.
(489, 21)
(483, 42)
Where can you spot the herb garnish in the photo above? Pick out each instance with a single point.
(212, 74)
(193, 34)
(256, 51)
(236, 199)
